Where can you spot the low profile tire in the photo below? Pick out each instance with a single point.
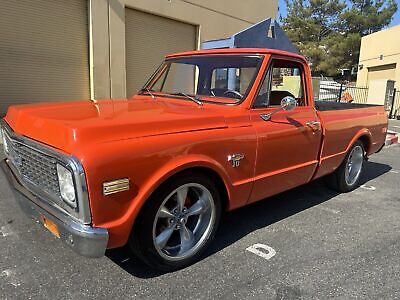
(177, 223)
(347, 176)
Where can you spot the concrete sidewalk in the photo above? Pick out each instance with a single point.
(393, 133)
(394, 125)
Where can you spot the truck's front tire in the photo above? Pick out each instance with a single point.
(177, 223)
(347, 176)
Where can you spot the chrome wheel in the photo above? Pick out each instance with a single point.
(184, 222)
(354, 165)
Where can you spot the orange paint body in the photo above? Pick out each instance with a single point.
(148, 140)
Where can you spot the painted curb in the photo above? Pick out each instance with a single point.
(391, 138)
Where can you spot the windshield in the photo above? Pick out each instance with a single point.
(211, 78)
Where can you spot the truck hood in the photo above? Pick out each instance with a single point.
(66, 125)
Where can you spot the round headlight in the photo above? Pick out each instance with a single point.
(66, 184)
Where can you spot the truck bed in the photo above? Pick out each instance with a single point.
(328, 105)
(342, 122)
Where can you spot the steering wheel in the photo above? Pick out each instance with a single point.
(235, 94)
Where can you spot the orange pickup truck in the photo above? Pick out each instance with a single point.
(210, 131)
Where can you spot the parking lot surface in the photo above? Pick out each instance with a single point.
(318, 244)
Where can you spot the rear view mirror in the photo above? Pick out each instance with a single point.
(288, 103)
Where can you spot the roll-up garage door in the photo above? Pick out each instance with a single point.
(43, 51)
(382, 72)
(148, 39)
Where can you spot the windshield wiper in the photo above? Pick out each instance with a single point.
(148, 91)
(194, 99)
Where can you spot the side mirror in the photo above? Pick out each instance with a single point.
(288, 103)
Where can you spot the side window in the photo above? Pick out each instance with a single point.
(285, 78)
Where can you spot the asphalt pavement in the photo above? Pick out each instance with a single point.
(313, 243)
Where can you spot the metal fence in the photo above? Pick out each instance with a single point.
(332, 91)
(395, 108)
(340, 92)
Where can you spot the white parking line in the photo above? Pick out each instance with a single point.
(270, 252)
(334, 211)
(394, 171)
(368, 187)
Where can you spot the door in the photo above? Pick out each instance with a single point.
(148, 39)
(44, 51)
(289, 142)
(385, 72)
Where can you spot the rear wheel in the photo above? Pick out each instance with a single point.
(178, 222)
(347, 177)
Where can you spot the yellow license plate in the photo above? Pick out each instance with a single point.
(51, 226)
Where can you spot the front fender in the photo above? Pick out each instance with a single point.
(148, 162)
(123, 225)
(180, 164)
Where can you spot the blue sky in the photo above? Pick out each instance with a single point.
(395, 21)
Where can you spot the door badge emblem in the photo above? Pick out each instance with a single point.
(235, 159)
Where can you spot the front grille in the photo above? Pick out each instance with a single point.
(34, 167)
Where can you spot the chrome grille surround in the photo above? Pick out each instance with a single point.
(34, 164)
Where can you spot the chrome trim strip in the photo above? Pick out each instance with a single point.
(82, 211)
(115, 186)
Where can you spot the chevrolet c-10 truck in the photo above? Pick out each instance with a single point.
(211, 131)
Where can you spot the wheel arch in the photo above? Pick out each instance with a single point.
(201, 169)
(364, 135)
(366, 141)
(208, 168)
(337, 180)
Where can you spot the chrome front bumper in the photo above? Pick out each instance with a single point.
(83, 239)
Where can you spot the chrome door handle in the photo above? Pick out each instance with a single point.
(311, 123)
(314, 125)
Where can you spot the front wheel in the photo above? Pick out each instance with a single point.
(178, 222)
(347, 176)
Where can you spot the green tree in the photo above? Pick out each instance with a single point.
(328, 32)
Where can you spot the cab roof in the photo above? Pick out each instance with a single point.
(262, 51)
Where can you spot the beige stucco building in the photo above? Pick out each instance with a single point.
(380, 57)
(81, 49)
